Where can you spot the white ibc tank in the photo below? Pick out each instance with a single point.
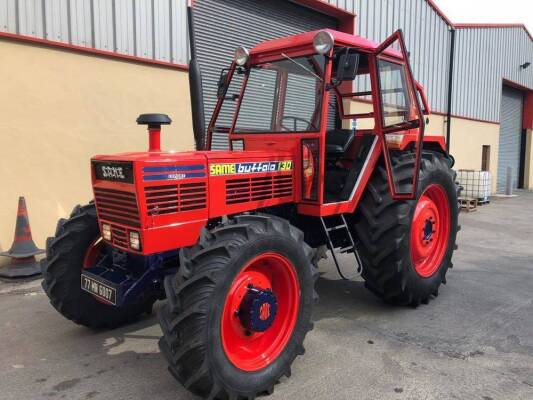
(476, 184)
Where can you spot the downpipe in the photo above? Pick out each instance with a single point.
(450, 90)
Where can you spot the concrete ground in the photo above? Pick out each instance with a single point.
(474, 342)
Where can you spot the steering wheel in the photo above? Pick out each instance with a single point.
(295, 120)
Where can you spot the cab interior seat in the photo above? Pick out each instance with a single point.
(346, 153)
(338, 141)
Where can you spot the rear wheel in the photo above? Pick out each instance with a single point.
(239, 308)
(407, 246)
(75, 246)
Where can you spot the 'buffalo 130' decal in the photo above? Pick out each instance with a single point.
(250, 167)
(173, 172)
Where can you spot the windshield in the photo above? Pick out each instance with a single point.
(283, 96)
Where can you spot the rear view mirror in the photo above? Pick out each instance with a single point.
(347, 67)
(222, 84)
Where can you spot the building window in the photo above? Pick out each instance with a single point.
(485, 158)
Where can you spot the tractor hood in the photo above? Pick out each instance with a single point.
(168, 197)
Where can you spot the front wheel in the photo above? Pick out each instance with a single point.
(239, 308)
(407, 246)
(77, 245)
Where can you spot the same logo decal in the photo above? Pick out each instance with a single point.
(113, 172)
(250, 167)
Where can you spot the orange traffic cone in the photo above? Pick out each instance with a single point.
(23, 250)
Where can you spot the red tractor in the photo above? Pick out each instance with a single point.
(328, 151)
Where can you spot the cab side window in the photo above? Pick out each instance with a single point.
(394, 95)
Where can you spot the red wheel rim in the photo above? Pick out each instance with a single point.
(252, 351)
(430, 230)
(91, 257)
(92, 253)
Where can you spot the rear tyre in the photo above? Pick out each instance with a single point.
(221, 337)
(407, 246)
(74, 246)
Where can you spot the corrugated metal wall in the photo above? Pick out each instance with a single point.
(156, 29)
(151, 29)
(426, 35)
(483, 58)
(222, 25)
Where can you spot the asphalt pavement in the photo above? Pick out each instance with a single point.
(475, 341)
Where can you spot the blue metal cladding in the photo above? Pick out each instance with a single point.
(151, 29)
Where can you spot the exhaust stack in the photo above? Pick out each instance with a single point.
(195, 87)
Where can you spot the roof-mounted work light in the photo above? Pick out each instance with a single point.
(241, 56)
(323, 42)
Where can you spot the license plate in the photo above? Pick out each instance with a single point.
(99, 289)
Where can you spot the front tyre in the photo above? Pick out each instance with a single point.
(407, 246)
(75, 246)
(239, 308)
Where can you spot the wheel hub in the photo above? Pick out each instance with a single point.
(258, 309)
(428, 229)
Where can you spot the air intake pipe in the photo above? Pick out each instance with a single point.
(154, 122)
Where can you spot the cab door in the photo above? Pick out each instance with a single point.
(397, 114)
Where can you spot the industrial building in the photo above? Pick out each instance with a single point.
(77, 73)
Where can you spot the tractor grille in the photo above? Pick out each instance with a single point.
(117, 206)
(263, 188)
(169, 199)
(119, 236)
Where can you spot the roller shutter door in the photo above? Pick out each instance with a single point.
(510, 136)
(222, 25)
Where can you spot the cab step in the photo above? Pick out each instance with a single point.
(340, 241)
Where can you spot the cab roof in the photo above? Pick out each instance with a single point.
(306, 39)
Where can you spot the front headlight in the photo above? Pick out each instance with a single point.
(323, 42)
(106, 232)
(135, 240)
(241, 56)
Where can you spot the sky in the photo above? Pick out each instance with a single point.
(490, 11)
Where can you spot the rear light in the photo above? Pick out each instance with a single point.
(106, 232)
(310, 169)
(135, 240)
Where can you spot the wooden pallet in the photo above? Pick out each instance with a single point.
(468, 204)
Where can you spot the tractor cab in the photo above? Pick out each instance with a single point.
(334, 100)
